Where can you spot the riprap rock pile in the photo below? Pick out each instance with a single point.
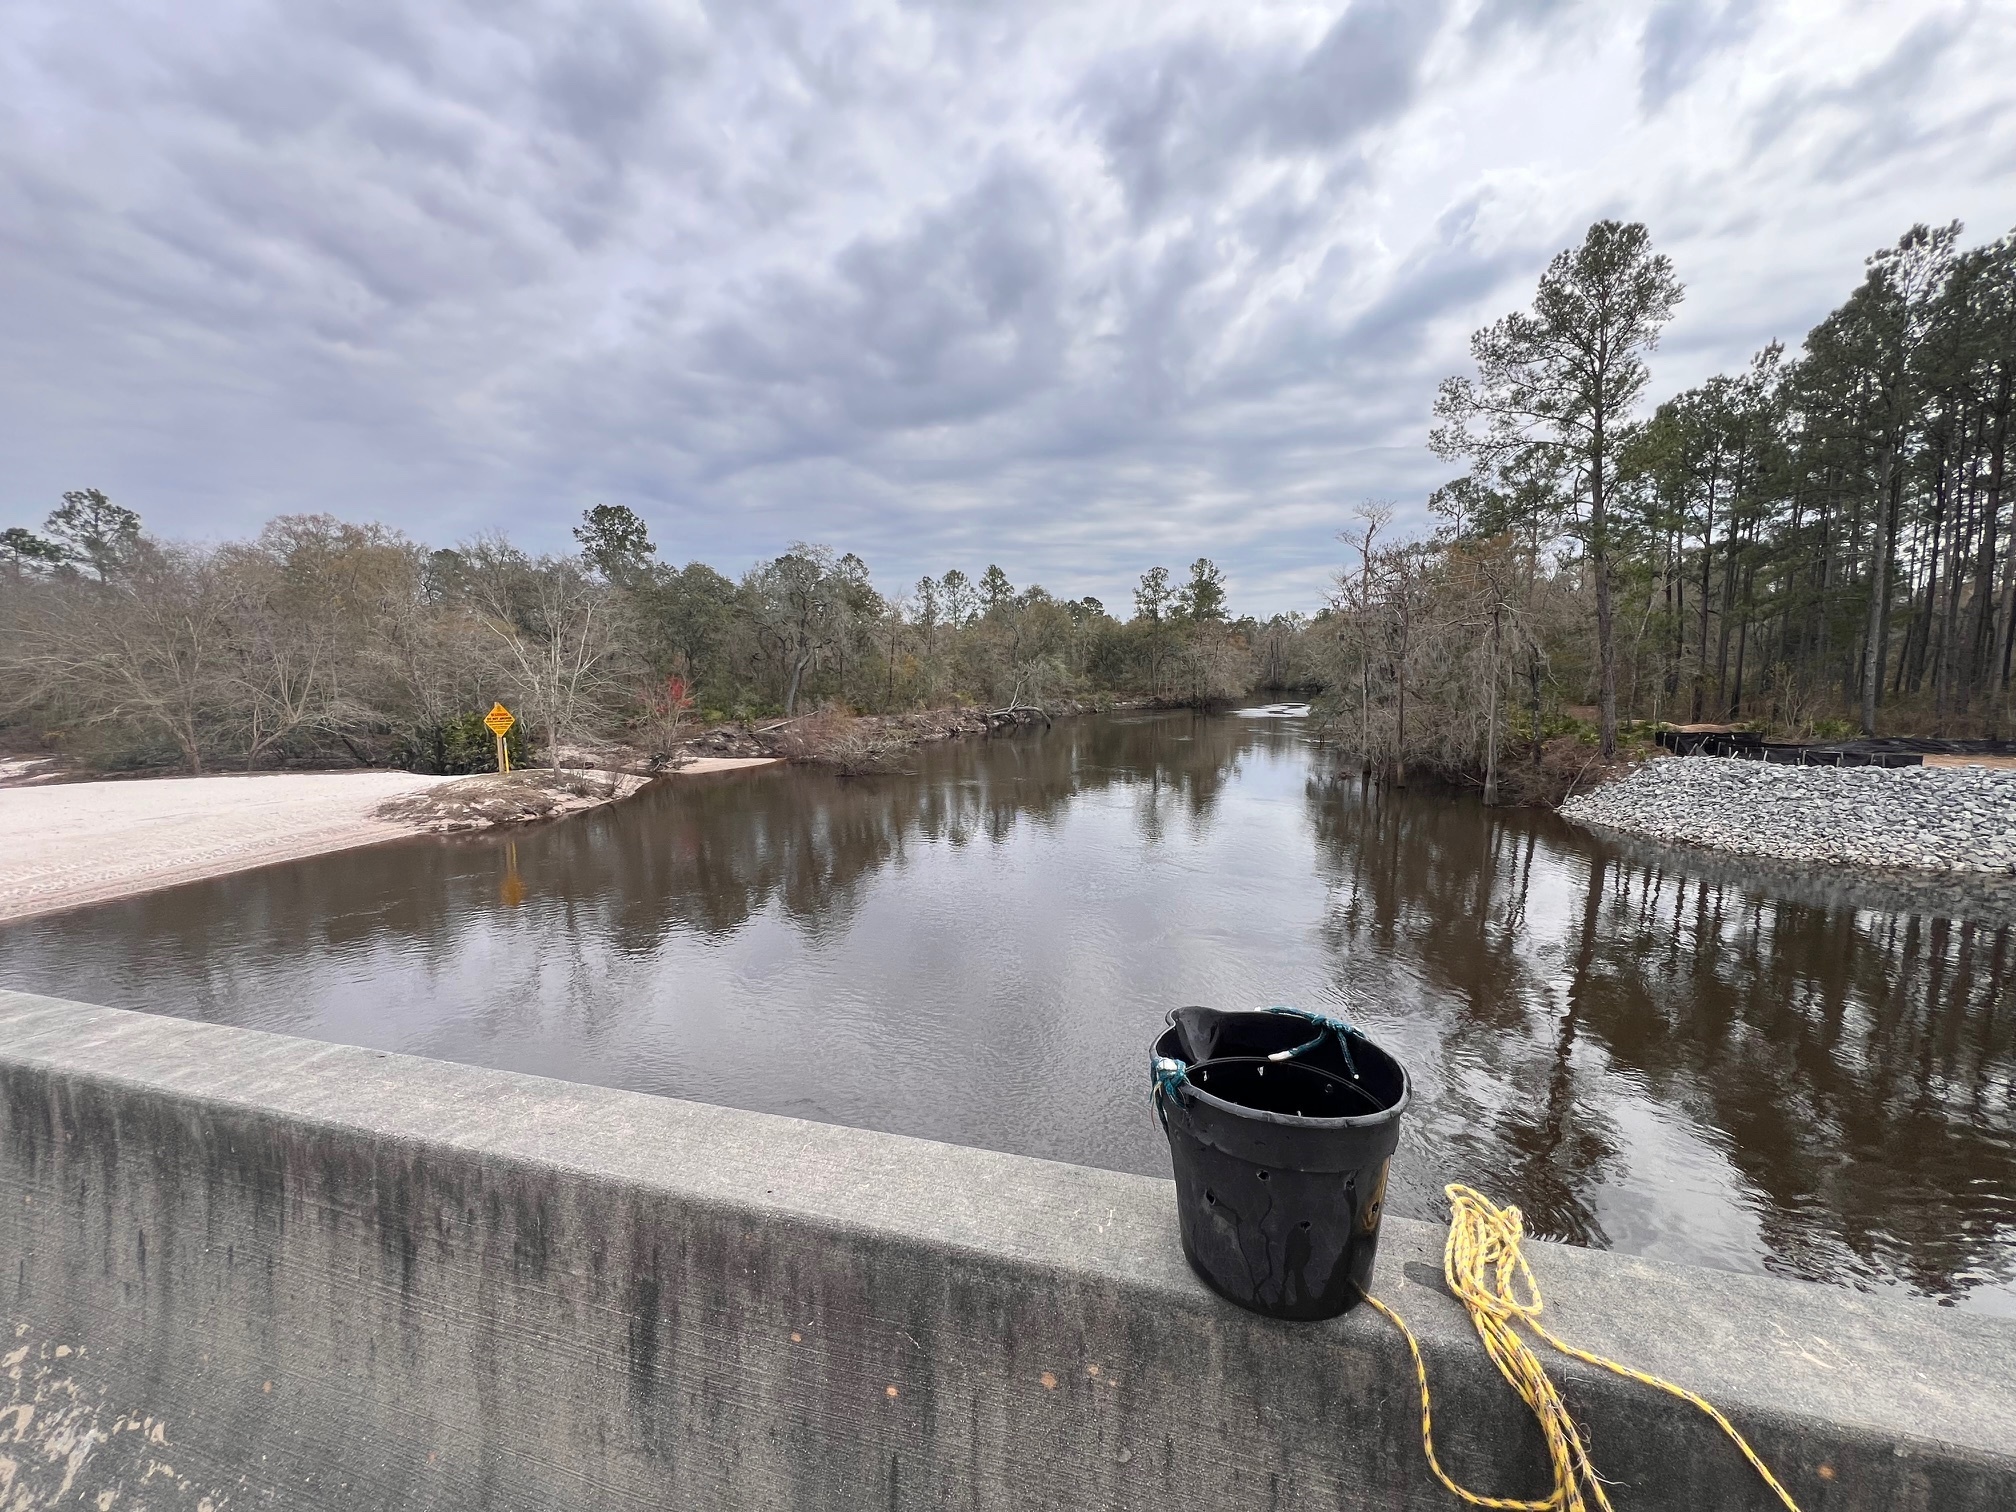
(1923, 818)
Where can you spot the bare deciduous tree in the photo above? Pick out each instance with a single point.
(549, 633)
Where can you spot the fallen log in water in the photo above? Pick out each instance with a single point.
(1017, 714)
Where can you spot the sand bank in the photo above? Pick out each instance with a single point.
(71, 843)
(84, 842)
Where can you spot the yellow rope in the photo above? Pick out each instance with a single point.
(1487, 1271)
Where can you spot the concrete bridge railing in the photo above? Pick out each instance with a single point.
(242, 1271)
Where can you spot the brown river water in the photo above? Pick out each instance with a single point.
(1651, 1050)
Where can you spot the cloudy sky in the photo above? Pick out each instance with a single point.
(1075, 287)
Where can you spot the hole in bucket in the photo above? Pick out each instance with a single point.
(1263, 1175)
(1303, 1225)
(1210, 1198)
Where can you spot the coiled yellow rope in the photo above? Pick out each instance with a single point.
(1487, 1271)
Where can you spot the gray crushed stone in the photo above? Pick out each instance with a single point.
(1950, 819)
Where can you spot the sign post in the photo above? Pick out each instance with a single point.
(500, 720)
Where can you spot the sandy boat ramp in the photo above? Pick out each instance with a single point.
(64, 844)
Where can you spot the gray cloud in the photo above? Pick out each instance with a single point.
(1873, 115)
(955, 317)
(1680, 39)
(1494, 18)
(1073, 289)
(1177, 120)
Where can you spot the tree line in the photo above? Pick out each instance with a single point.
(320, 640)
(1819, 544)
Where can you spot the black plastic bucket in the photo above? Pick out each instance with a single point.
(1280, 1124)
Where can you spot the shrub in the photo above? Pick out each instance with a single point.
(456, 747)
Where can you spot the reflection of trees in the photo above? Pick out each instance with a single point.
(1557, 1143)
(1439, 892)
(703, 855)
(1181, 766)
(1859, 1064)
(1855, 1065)
(715, 854)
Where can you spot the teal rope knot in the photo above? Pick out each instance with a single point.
(1165, 1078)
(1329, 1024)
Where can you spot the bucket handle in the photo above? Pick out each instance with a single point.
(1327, 1024)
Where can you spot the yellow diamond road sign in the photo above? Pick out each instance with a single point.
(500, 720)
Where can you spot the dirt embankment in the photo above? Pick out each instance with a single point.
(521, 797)
(1563, 767)
(1567, 766)
(854, 743)
(859, 743)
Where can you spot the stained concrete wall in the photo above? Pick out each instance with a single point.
(243, 1270)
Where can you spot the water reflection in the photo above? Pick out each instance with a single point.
(1662, 1052)
(1653, 1055)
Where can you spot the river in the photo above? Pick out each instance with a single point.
(1650, 1050)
